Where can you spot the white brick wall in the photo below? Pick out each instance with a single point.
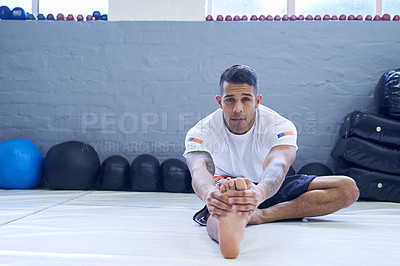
(146, 83)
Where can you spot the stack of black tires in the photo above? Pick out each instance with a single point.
(369, 146)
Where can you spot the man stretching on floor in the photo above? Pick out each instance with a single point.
(238, 157)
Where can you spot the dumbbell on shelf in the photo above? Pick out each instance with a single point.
(41, 17)
(5, 12)
(30, 17)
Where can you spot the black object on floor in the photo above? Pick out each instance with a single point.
(368, 155)
(317, 169)
(114, 173)
(371, 127)
(387, 94)
(375, 185)
(71, 165)
(175, 176)
(144, 174)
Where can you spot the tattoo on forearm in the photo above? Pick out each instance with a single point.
(201, 155)
(272, 178)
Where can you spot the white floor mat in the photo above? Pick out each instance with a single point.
(49, 227)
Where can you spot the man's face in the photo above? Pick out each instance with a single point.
(239, 103)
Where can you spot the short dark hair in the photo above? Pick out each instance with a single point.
(239, 74)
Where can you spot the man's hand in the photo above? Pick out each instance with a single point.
(218, 203)
(275, 167)
(246, 201)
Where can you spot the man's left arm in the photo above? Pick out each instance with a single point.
(275, 167)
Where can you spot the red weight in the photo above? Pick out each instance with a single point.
(60, 17)
(351, 17)
(209, 18)
(377, 17)
(386, 17)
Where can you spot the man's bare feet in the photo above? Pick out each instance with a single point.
(231, 228)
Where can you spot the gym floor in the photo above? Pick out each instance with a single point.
(49, 227)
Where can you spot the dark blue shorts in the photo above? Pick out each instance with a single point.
(292, 187)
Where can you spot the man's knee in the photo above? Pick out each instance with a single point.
(349, 192)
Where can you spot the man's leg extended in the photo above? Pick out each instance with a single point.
(325, 195)
(229, 231)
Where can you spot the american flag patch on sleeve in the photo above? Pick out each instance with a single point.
(287, 133)
(195, 140)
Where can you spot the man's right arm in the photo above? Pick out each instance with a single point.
(202, 170)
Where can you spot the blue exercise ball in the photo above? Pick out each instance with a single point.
(20, 164)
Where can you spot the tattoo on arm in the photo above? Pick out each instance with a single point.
(201, 155)
(272, 178)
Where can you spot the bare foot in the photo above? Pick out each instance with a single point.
(231, 228)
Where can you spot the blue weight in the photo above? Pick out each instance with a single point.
(5, 12)
(41, 17)
(97, 15)
(104, 17)
(30, 16)
(18, 13)
(50, 17)
(20, 164)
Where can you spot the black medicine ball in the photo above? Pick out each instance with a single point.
(114, 173)
(175, 176)
(318, 169)
(291, 171)
(144, 174)
(71, 165)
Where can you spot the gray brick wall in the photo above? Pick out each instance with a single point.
(136, 87)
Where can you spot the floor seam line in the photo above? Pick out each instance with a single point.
(44, 209)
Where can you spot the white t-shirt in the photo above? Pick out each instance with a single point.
(240, 155)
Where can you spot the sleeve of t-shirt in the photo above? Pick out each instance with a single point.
(196, 140)
(282, 132)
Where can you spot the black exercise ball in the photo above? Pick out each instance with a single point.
(144, 174)
(387, 94)
(175, 176)
(317, 169)
(114, 173)
(71, 165)
(291, 171)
